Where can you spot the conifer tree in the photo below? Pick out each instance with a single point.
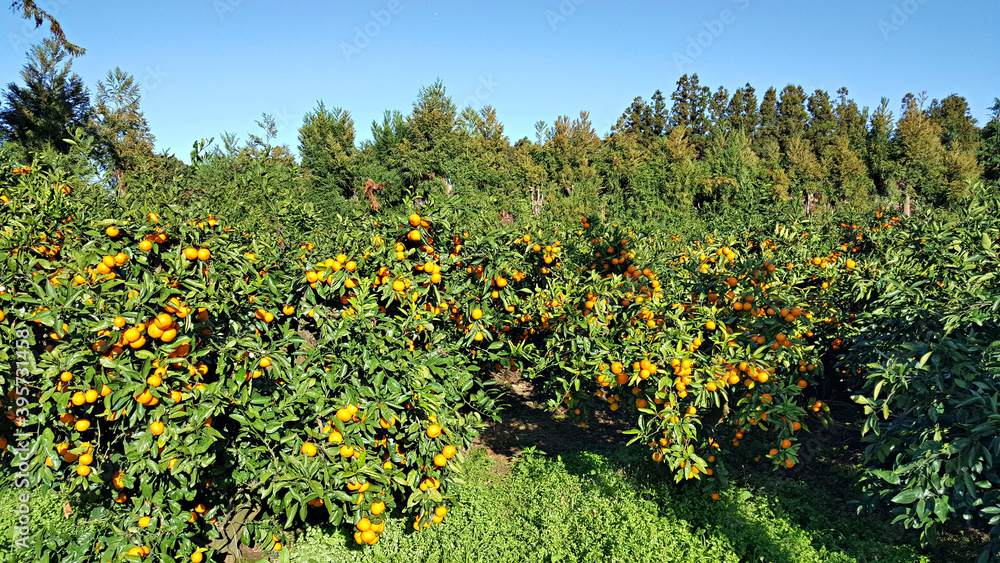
(851, 122)
(822, 121)
(742, 110)
(52, 102)
(326, 146)
(921, 153)
(123, 134)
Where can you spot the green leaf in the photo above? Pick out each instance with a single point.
(908, 496)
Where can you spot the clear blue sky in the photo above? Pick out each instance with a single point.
(210, 66)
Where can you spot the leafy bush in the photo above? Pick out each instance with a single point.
(927, 345)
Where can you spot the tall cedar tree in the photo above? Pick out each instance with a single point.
(690, 106)
(52, 102)
(433, 135)
(326, 147)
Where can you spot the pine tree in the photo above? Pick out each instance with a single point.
(958, 127)
(433, 139)
(718, 111)
(123, 134)
(880, 150)
(742, 111)
(690, 106)
(326, 146)
(792, 116)
(658, 122)
(822, 121)
(765, 140)
(52, 102)
(851, 123)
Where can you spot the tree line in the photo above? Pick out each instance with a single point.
(701, 151)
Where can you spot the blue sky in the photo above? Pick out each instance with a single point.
(210, 66)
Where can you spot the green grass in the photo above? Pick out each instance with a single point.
(46, 512)
(613, 506)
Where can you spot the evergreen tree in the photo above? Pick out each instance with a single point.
(958, 127)
(921, 153)
(658, 122)
(792, 116)
(989, 152)
(765, 140)
(52, 102)
(718, 111)
(380, 159)
(646, 121)
(122, 132)
(690, 106)
(742, 110)
(880, 150)
(845, 174)
(851, 123)
(433, 139)
(961, 140)
(326, 147)
(822, 121)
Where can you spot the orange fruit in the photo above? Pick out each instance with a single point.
(83, 470)
(433, 431)
(145, 246)
(309, 449)
(204, 254)
(191, 253)
(82, 425)
(156, 428)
